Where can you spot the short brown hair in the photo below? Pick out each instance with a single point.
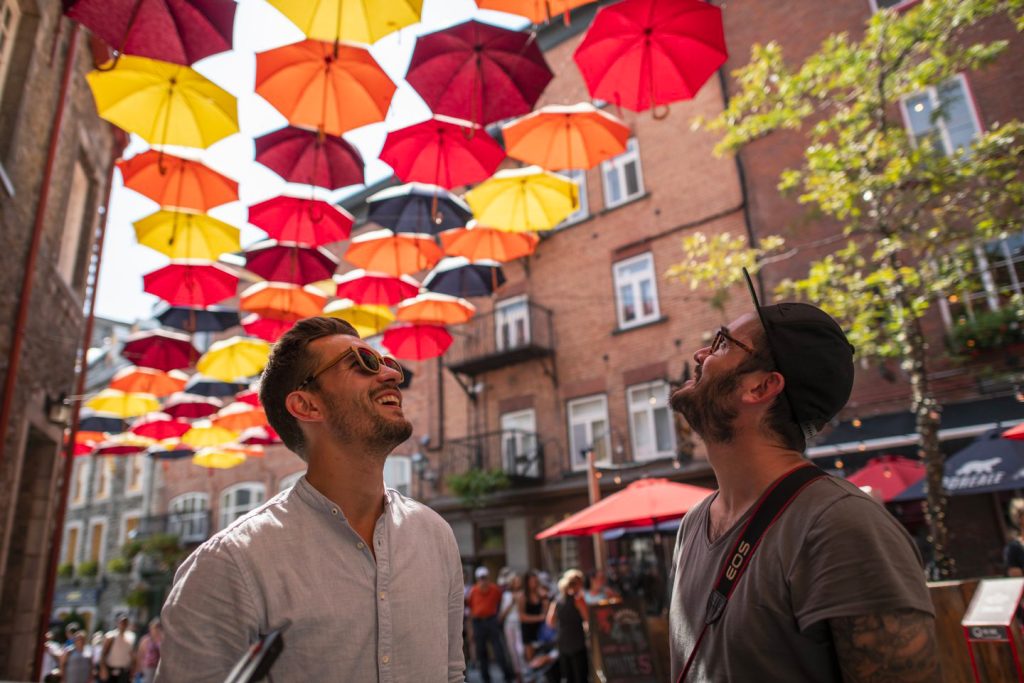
(289, 364)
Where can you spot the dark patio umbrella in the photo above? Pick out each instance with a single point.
(188, 319)
(206, 386)
(418, 207)
(457, 276)
(989, 464)
(91, 421)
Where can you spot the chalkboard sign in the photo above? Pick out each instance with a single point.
(623, 642)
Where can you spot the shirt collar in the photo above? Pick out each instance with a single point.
(319, 501)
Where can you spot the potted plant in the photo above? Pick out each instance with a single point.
(119, 565)
(474, 486)
(88, 569)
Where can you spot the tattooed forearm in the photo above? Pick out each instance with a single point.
(897, 646)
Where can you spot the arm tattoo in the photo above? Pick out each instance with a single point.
(897, 646)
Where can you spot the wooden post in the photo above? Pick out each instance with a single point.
(594, 494)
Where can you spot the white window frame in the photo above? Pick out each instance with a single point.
(519, 436)
(134, 474)
(615, 168)
(79, 526)
(76, 205)
(635, 283)
(80, 481)
(105, 476)
(234, 511)
(133, 514)
(93, 521)
(586, 421)
(898, 6)
(10, 17)
(638, 400)
(939, 123)
(289, 480)
(177, 506)
(582, 212)
(990, 292)
(398, 474)
(509, 312)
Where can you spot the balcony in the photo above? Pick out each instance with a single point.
(514, 332)
(190, 527)
(517, 453)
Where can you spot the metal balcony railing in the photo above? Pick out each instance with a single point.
(189, 527)
(519, 454)
(510, 334)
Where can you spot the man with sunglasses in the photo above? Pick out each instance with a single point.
(370, 581)
(787, 574)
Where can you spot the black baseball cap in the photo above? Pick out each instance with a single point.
(811, 352)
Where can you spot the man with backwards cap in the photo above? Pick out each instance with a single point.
(832, 589)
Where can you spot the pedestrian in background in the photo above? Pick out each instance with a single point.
(512, 587)
(118, 653)
(569, 615)
(484, 600)
(148, 656)
(1013, 553)
(75, 663)
(533, 606)
(52, 651)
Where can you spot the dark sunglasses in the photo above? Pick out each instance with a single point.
(723, 336)
(369, 362)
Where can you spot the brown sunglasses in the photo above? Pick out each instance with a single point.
(369, 362)
(723, 336)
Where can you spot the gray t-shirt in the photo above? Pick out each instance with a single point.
(835, 552)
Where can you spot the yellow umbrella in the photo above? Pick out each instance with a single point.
(231, 359)
(356, 20)
(123, 404)
(187, 235)
(205, 434)
(218, 458)
(368, 319)
(523, 199)
(164, 103)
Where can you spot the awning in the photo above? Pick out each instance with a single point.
(990, 464)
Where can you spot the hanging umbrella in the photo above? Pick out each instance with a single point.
(187, 235)
(442, 151)
(368, 319)
(290, 262)
(123, 444)
(267, 329)
(192, 320)
(416, 342)
(232, 358)
(250, 396)
(170, 449)
(457, 276)
(355, 20)
(888, 475)
(643, 503)
(435, 309)
(524, 199)
(1016, 433)
(364, 287)
(259, 436)
(159, 349)
(208, 386)
(204, 434)
(642, 53)
(176, 183)
(191, 283)
(478, 72)
(383, 251)
(178, 31)
(417, 208)
(218, 458)
(282, 301)
(148, 381)
(537, 11)
(189, 406)
(309, 222)
(92, 421)
(329, 87)
(560, 137)
(123, 404)
(310, 158)
(93, 438)
(478, 243)
(159, 425)
(163, 103)
(238, 417)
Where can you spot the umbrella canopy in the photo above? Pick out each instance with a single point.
(187, 235)
(364, 287)
(478, 243)
(889, 475)
(198, 319)
(204, 434)
(416, 342)
(537, 11)
(417, 208)
(559, 137)
(457, 276)
(92, 421)
(329, 87)
(189, 406)
(148, 381)
(176, 183)
(191, 283)
(250, 396)
(356, 20)
(435, 309)
(164, 103)
(160, 349)
(368, 319)
(218, 458)
(178, 31)
(384, 251)
(238, 417)
(159, 426)
(170, 449)
(1016, 433)
(527, 198)
(290, 262)
(309, 222)
(478, 72)
(442, 151)
(641, 53)
(123, 444)
(123, 404)
(267, 329)
(259, 436)
(230, 359)
(282, 301)
(643, 503)
(989, 464)
(310, 158)
(208, 386)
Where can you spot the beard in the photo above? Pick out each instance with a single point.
(354, 422)
(706, 406)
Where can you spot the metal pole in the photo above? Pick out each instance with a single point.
(594, 495)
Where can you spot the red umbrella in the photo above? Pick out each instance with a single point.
(250, 396)
(416, 342)
(176, 183)
(191, 283)
(643, 503)
(259, 436)
(306, 221)
(192, 406)
(179, 31)
(642, 53)
(267, 329)
(290, 262)
(160, 349)
(1015, 432)
(889, 475)
(478, 72)
(310, 158)
(442, 151)
(159, 426)
(375, 288)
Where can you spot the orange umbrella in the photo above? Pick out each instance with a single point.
(332, 87)
(477, 243)
(383, 251)
(149, 381)
(282, 301)
(176, 183)
(435, 309)
(238, 417)
(537, 11)
(559, 137)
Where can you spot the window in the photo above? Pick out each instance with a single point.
(944, 115)
(72, 535)
(75, 237)
(97, 540)
(133, 468)
(129, 524)
(190, 517)
(622, 177)
(579, 177)
(80, 480)
(290, 481)
(10, 14)
(636, 293)
(588, 428)
(106, 477)
(511, 323)
(398, 473)
(651, 421)
(238, 500)
(999, 276)
(519, 443)
(878, 5)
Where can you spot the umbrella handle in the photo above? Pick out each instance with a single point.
(660, 112)
(111, 64)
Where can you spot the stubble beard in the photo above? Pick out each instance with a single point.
(381, 436)
(705, 405)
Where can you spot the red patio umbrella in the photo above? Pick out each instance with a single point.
(267, 329)
(478, 72)
(375, 288)
(191, 283)
(416, 342)
(642, 53)
(191, 407)
(1015, 432)
(442, 151)
(309, 222)
(159, 426)
(160, 349)
(290, 262)
(310, 158)
(889, 475)
(643, 503)
(176, 183)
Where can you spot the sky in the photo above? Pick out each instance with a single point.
(259, 27)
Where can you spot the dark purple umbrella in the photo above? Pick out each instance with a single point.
(310, 158)
(458, 276)
(209, 387)
(290, 262)
(160, 349)
(417, 207)
(212, 319)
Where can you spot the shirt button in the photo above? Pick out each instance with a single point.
(385, 659)
(334, 511)
(360, 545)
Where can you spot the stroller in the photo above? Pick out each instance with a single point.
(543, 667)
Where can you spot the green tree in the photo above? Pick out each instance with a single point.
(909, 213)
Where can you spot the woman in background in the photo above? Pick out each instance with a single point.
(569, 614)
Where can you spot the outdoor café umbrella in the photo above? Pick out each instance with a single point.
(990, 463)
(310, 158)
(181, 235)
(148, 381)
(537, 11)
(123, 404)
(282, 301)
(189, 406)
(417, 208)
(442, 151)
(382, 289)
(267, 329)
(477, 243)
(435, 309)
(888, 475)
(159, 349)
(177, 183)
(524, 199)
(410, 341)
(234, 358)
(368, 319)
(562, 137)
(310, 222)
(191, 283)
(457, 276)
(384, 251)
(290, 262)
(208, 386)
(189, 319)
(159, 425)
(1016, 433)
(356, 20)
